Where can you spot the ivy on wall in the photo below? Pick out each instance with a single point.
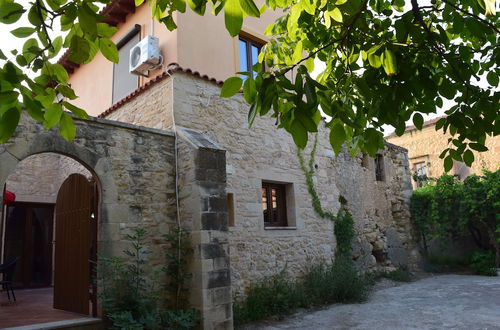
(343, 222)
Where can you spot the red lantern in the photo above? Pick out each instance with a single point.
(8, 197)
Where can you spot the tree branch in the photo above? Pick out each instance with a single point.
(482, 20)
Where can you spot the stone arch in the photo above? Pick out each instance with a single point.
(32, 143)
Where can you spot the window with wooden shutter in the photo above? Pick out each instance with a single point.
(274, 204)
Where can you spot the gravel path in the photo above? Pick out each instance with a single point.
(439, 302)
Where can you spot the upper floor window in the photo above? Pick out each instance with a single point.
(274, 204)
(421, 173)
(249, 53)
(124, 82)
(379, 168)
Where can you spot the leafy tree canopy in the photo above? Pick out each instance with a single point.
(386, 62)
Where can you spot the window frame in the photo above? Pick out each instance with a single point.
(281, 208)
(417, 166)
(249, 42)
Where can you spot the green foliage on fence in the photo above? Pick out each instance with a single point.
(449, 207)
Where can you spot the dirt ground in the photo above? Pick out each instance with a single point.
(436, 302)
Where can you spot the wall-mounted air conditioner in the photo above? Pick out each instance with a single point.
(145, 56)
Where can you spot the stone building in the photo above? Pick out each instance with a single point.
(424, 147)
(239, 190)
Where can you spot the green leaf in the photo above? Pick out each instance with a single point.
(23, 32)
(389, 63)
(231, 86)
(468, 157)
(52, 115)
(34, 108)
(337, 137)
(109, 50)
(79, 51)
(198, 6)
(67, 127)
(233, 17)
(138, 2)
(478, 147)
(106, 30)
(448, 163)
(440, 123)
(249, 90)
(8, 97)
(66, 92)
(80, 113)
(10, 12)
(374, 60)
(21, 60)
(418, 120)
(250, 8)
(336, 14)
(297, 53)
(492, 78)
(252, 113)
(57, 45)
(87, 20)
(56, 71)
(299, 134)
(8, 124)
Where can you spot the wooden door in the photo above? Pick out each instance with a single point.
(73, 244)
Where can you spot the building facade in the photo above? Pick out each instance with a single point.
(239, 190)
(424, 147)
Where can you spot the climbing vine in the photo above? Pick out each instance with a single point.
(449, 208)
(343, 222)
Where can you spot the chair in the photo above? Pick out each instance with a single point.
(7, 270)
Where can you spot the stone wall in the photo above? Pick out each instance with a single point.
(153, 108)
(203, 211)
(134, 167)
(264, 153)
(39, 177)
(426, 146)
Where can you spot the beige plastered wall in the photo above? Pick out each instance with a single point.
(200, 43)
(93, 82)
(426, 146)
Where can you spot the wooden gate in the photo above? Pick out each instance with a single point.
(75, 244)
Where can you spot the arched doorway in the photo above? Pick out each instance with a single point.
(52, 228)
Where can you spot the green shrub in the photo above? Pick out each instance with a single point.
(131, 299)
(401, 274)
(450, 208)
(483, 263)
(276, 295)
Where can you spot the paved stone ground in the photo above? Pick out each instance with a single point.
(438, 302)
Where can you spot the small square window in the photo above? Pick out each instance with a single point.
(249, 53)
(274, 204)
(379, 168)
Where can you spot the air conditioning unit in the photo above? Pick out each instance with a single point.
(145, 56)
